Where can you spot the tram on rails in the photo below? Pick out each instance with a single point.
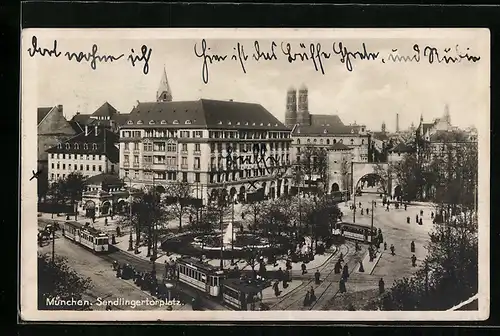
(341, 196)
(237, 293)
(357, 232)
(82, 234)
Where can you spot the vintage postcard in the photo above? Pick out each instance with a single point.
(255, 174)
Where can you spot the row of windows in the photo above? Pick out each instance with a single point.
(242, 174)
(94, 146)
(247, 134)
(321, 141)
(171, 176)
(75, 167)
(248, 147)
(75, 156)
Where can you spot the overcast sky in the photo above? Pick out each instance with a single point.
(371, 93)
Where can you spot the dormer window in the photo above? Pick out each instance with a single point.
(175, 122)
(130, 122)
(85, 146)
(77, 146)
(268, 124)
(163, 122)
(261, 124)
(94, 146)
(246, 123)
(275, 125)
(325, 131)
(139, 122)
(67, 146)
(59, 146)
(187, 122)
(151, 122)
(219, 123)
(253, 124)
(238, 123)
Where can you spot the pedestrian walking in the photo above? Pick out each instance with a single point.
(385, 246)
(304, 269)
(405, 206)
(416, 218)
(392, 249)
(367, 211)
(276, 288)
(408, 219)
(413, 260)
(381, 286)
(316, 277)
(307, 299)
(420, 222)
(342, 288)
(412, 246)
(345, 272)
(312, 296)
(421, 212)
(106, 221)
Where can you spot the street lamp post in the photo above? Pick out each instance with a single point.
(222, 201)
(371, 230)
(130, 239)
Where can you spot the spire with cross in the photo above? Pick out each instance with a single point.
(164, 94)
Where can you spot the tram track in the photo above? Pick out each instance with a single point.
(297, 294)
(351, 263)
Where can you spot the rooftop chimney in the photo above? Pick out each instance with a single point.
(95, 128)
(60, 108)
(86, 130)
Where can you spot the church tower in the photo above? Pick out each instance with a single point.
(383, 127)
(291, 107)
(446, 116)
(303, 117)
(164, 94)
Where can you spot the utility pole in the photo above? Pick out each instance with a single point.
(354, 207)
(54, 242)
(232, 231)
(371, 230)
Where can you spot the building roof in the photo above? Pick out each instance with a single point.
(401, 148)
(382, 136)
(335, 129)
(325, 120)
(42, 113)
(338, 146)
(79, 121)
(104, 178)
(449, 136)
(426, 126)
(203, 113)
(82, 143)
(106, 110)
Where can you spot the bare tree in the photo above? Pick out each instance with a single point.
(179, 194)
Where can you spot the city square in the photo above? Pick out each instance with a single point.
(220, 204)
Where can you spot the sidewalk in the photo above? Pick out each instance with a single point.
(367, 265)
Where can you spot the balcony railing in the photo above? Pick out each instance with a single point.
(196, 167)
(126, 164)
(184, 166)
(136, 164)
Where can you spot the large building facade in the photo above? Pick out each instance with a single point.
(215, 146)
(92, 152)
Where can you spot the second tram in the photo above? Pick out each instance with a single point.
(357, 232)
(89, 237)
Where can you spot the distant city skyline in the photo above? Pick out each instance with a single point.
(371, 94)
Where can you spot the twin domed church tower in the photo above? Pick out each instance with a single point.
(297, 107)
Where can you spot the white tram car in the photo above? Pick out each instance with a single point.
(91, 238)
(199, 275)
